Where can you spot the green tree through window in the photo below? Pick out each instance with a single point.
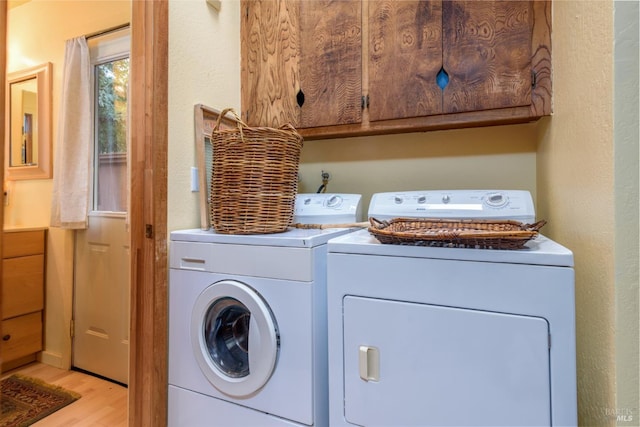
(110, 143)
(113, 79)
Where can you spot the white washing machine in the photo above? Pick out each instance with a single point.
(247, 324)
(441, 336)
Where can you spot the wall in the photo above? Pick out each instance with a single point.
(576, 180)
(491, 157)
(204, 55)
(29, 201)
(204, 52)
(204, 68)
(626, 128)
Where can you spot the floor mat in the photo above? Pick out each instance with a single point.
(26, 400)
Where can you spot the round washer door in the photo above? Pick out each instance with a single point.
(235, 338)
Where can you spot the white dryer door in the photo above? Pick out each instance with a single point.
(410, 364)
(235, 338)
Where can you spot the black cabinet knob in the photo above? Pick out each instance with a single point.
(6, 337)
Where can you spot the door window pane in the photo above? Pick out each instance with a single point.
(111, 110)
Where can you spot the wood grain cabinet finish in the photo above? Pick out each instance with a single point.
(23, 272)
(363, 67)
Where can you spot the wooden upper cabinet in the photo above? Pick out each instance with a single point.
(330, 63)
(301, 62)
(270, 54)
(363, 67)
(404, 58)
(486, 54)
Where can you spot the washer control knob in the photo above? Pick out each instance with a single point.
(496, 200)
(446, 199)
(398, 200)
(334, 201)
(422, 200)
(307, 201)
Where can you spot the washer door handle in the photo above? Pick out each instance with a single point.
(369, 363)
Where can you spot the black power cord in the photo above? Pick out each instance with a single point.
(325, 181)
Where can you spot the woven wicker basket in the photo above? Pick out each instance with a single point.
(254, 178)
(481, 234)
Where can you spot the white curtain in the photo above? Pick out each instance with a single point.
(70, 197)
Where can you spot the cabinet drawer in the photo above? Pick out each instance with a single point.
(19, 243)
(21, 336)
(22, 285)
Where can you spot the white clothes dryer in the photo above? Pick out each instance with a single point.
(443, 336)
(247, 326)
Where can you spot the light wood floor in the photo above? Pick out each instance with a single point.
(103, 403)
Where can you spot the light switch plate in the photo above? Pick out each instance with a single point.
(195, 186)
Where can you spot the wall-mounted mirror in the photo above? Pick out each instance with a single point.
(28, 127)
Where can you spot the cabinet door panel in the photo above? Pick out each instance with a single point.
(269, 65)
(21, 336)
(22, 285)
(331, 62)
(20, 243)
(487, 54)
(405, 55)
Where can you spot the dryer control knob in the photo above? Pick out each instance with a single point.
(496, 200)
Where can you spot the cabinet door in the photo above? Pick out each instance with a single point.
(20, 243)
(419, 364)
(405, 56)
(487, 54)
(301, 62)
(22, 285)
(331, 62)
(21, 336)
(269, 62)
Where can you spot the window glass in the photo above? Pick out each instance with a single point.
(110, 61)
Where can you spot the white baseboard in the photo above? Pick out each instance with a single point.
(53, 359)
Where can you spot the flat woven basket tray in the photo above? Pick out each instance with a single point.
(458, 233)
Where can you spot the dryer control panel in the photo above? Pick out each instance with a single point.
(476, 204)
(327, 208)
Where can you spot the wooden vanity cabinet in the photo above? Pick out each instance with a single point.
(362, 67)
(23, 270)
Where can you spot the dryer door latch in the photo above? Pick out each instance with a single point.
(369, 363)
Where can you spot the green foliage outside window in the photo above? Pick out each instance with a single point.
(112, 78)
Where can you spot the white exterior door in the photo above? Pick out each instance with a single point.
(102, 256)
(101, 303)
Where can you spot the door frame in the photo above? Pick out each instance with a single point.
(3, 68)
(148, 213)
